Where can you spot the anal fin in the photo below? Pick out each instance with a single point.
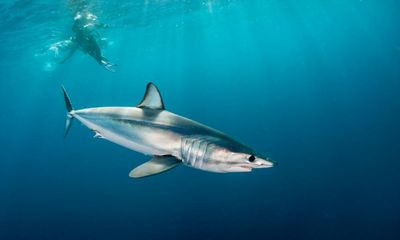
(156, 165)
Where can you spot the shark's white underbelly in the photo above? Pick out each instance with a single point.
(143, 139)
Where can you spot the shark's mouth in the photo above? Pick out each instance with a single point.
(246, 167)
(239, 168)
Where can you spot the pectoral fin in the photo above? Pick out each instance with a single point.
(156, 165)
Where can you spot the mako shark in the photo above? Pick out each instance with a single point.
(171, 139)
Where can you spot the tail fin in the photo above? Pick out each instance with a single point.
(69, 107)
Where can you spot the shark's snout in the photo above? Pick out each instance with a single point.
(264, 163)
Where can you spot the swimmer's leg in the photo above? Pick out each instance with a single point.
(95, 52)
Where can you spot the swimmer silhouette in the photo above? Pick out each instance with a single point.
(84, 28)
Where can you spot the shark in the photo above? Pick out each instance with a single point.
(169, 139)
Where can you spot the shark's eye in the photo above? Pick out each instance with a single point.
(252, 158)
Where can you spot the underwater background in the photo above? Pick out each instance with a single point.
(314, 85)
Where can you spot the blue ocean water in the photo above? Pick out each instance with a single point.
(315, 85)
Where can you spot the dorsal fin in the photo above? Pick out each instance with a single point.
(152, 98)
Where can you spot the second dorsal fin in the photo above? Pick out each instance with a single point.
(152, 98)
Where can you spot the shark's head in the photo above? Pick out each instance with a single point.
(227, 160)
(222, 155)
(244, 162)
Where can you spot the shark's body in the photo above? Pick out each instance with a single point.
(170, 138)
